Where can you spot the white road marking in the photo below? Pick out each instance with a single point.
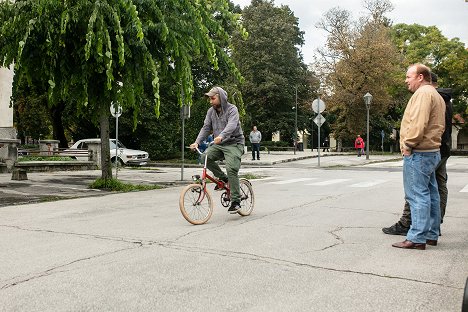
(465, 189)
(267, 178)
(292, 181)
(368, 183)
(328, 182)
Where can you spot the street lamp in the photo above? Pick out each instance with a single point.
(367, 101)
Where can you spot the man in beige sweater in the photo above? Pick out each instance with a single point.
(420, 136)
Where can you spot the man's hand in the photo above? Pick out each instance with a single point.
(193, 146)
(406, 151)
(218, 140)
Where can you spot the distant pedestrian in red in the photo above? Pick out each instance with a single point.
(359, 145)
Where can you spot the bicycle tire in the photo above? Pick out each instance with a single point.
(247, 197)
(195, 204)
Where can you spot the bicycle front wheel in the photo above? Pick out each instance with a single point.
(195, 204)
(247, 197)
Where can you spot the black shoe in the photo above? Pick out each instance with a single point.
(258, 158)
(235, 206)
(396, 229)
(253, 158)
(217, 188)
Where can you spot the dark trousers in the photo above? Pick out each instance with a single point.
(256, 148)
(441, 177)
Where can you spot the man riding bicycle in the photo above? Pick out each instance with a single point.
(223, 119)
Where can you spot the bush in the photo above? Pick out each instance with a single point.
(274, 143)
(44, 158)
(115, 185)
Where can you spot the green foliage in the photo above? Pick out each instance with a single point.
(272, 144)
(250, 176)
(447, 58)
(43, 158)
(87, 54)
(115, 185)
(272, 66)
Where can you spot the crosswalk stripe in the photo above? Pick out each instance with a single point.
(328, 182)
(292, 181)
(267, 178)
(368, 183)
(465, 189)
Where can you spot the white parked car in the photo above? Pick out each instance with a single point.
(124, 155)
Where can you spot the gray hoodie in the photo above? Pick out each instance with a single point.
(226, 124)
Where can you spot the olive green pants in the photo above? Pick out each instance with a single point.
(232, 155)
(441, 177)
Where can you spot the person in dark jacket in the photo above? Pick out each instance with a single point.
(222, 119)
(403, 225)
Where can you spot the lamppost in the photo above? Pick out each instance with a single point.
(367, 101)
(295, 127)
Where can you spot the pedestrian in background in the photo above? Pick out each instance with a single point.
(255, 139)
(403, 225)
(359, 145)
(326, 144)
(421, 130)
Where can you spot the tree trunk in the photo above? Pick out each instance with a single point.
(57, 125)
(106, 166)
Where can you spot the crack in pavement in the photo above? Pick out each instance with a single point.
(55, 270)
(81, 235)
(336, 236)
(197, 249)
(289, 263)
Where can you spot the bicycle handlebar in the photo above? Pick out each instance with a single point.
(198, 150)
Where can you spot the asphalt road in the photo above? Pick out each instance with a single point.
(313, 243)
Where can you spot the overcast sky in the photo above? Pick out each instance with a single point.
(450, 16)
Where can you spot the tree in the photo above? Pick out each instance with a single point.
(89, 54)
(272, 66)
(360, 57)
(447, 58)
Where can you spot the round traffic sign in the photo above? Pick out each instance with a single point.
(318, 106)
(116, 110)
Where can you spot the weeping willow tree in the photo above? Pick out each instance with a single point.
(88, 54)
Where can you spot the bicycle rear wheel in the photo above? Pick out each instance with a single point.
(195, 204)
(247, 197)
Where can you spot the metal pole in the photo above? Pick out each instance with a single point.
(367, 143)
(318, 139)
(116, 144)
(295, 128)
(183, 143)
(381, 145)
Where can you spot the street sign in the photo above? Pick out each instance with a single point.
(185, 112)
(319, 120)
(116, 110)
(382, 133)
(318, 106)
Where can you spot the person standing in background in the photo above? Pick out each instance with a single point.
(255, 139)
(359, 145)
